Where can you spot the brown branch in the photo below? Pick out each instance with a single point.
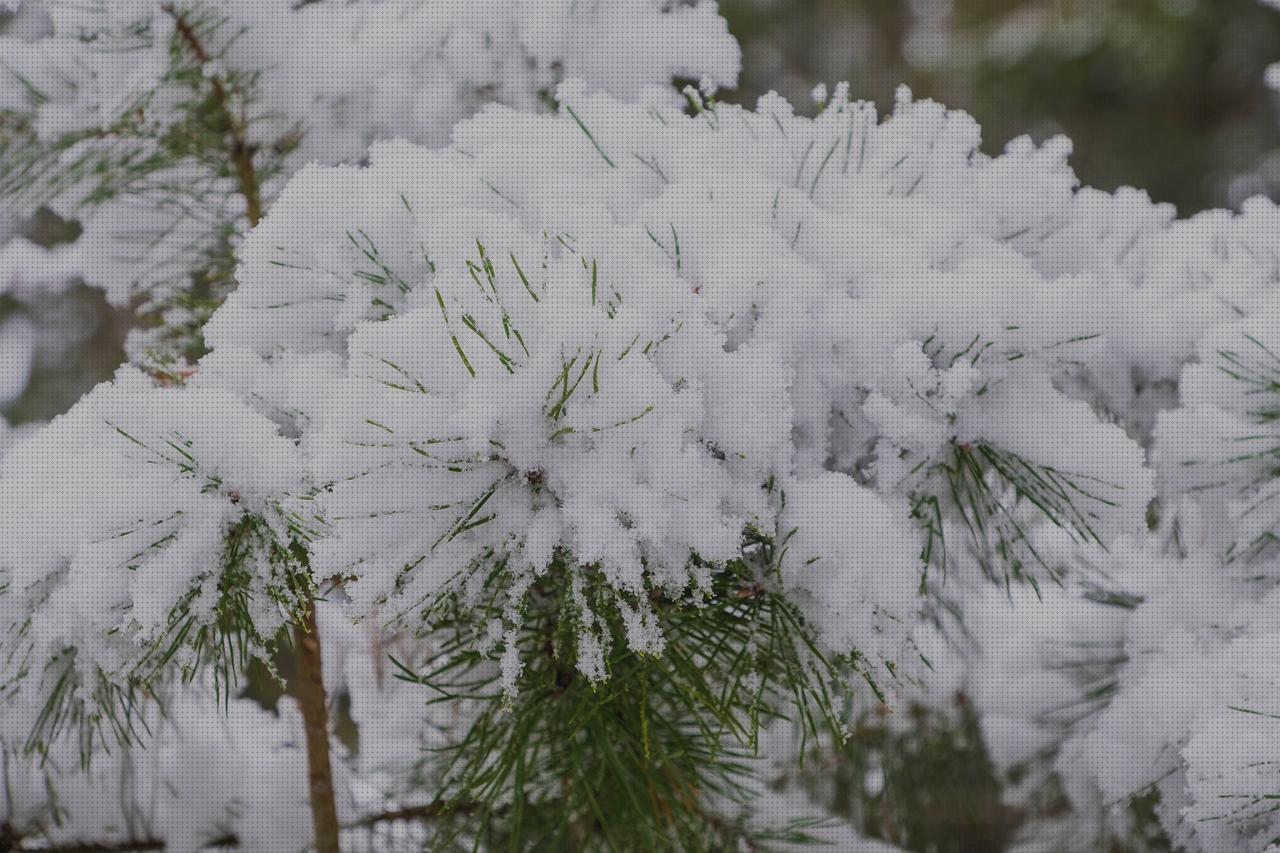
(313, 703)
(431, 811)
(240, 151)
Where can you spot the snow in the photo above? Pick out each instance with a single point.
(613, 338)
(119, 516)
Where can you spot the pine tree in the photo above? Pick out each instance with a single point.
(588, 479)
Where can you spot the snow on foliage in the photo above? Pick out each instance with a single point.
(626, 343)
(621, 336)
(164, 129)
(327, 78)
(145, 524)
(626, 320)
(200, 779)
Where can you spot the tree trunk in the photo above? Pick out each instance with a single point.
(312, 701)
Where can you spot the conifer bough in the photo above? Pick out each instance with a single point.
(608, 447)
(576, 421)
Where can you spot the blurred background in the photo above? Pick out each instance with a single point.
(1166, 95)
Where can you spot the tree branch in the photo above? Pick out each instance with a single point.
(240, 151)
(313, 703)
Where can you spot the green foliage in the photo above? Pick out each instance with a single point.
(1259, 370)
(986, 489)
(1145, 833)
(927, 787)
(104, 709)
(191, 159)
(1256, 367)
(658, 755)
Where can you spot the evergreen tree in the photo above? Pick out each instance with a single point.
(590, 478)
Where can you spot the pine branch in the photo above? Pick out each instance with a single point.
(430, 811)
(983, 488)
(240, 150)
(98, 708)
(640, 758)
